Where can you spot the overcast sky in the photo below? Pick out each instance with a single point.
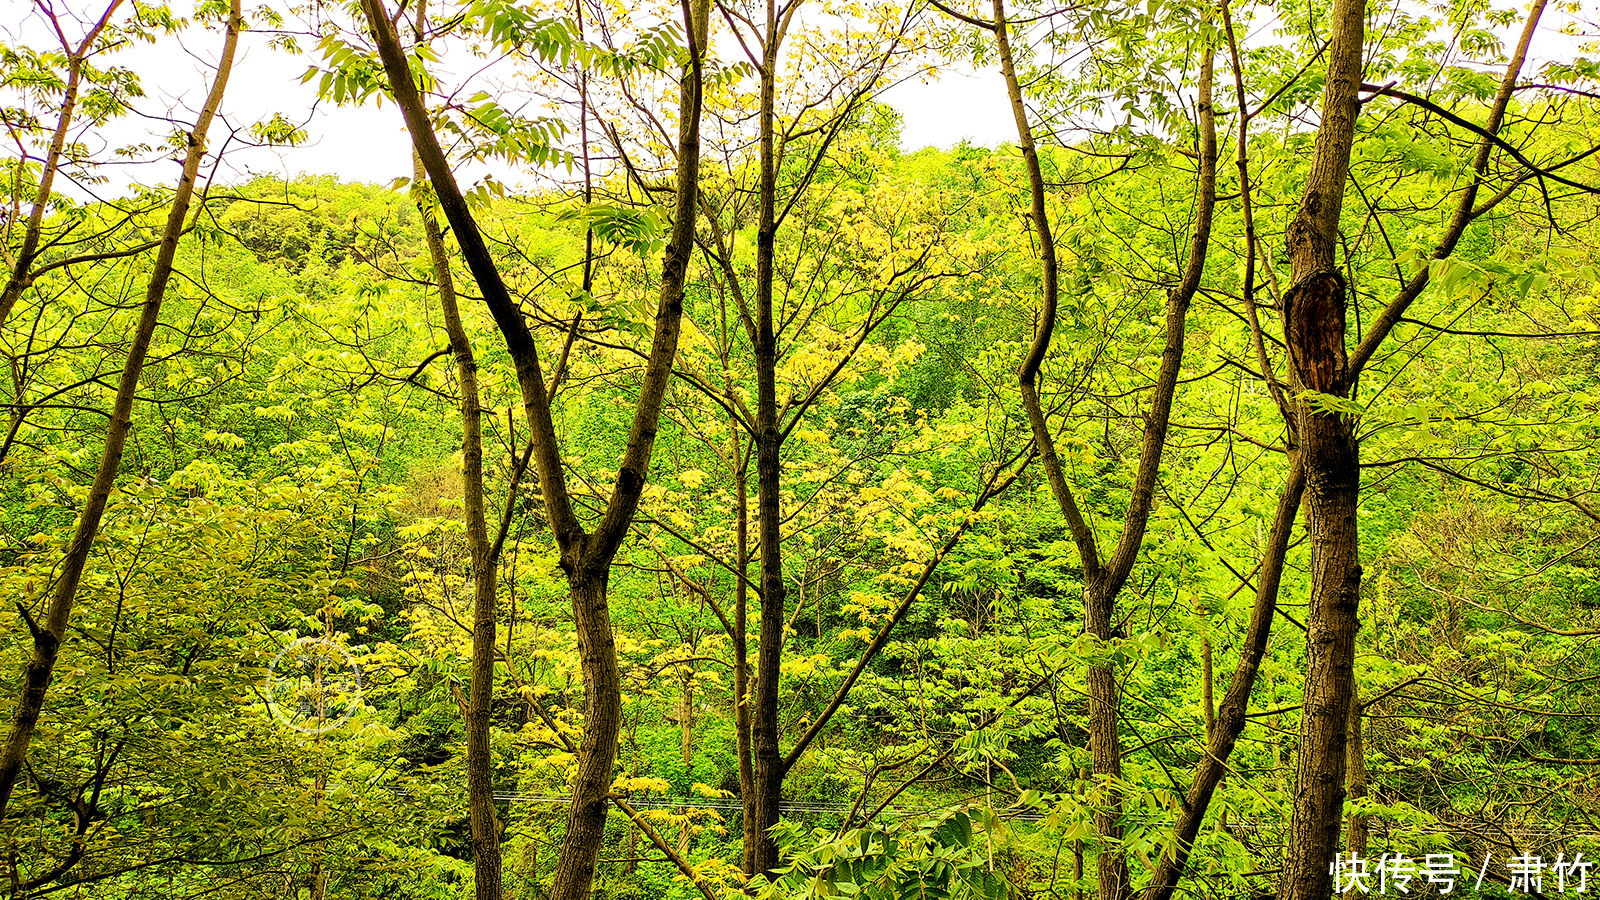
(369, 144)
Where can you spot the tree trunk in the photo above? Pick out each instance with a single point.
(585, 557)
(686, 726)
(1105, 748)
(597, 753)
(1314, 331)
(741, 650)
(1104, 577)
(480, 784)
(47, 637)
(766, 763)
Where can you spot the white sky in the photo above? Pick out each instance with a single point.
(369, 143)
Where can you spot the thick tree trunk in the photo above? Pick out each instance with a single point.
(48, 635)
(1105, 748)
(1314, 330)
(597, 753)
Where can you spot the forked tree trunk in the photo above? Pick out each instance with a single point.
(586, 557)
(1104, 577)
(47, 636)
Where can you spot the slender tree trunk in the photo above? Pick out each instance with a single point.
(767, 765)
(1230, 722)
(319, 871)
(1099, 595)
(1103, 578)
(480, 784)
(766, 762)
(1314, 330)
(585, 557)
(686, 727)
(47, 636)
(741, 650)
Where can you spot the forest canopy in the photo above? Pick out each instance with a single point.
(1194, 494)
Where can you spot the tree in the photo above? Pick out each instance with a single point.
(1323, 373)
(586, 556)
(821, 117)
(1105, 575)
(47, 636)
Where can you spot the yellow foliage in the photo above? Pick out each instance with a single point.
(630, 783)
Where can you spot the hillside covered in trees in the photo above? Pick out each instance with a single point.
(1194, 496)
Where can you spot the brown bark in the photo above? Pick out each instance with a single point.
(763, 766)
(597, 752)
(760, 806)
(1098, 604)
(47, 636)
(1314, 330)
(1231, 721)
(1355, 838)
(585, 556)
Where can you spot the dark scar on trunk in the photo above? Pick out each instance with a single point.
(1313, 316)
